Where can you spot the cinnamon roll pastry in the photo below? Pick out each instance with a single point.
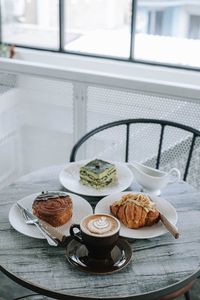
(53, 207)
(135, 211)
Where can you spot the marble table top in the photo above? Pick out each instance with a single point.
(160, 265)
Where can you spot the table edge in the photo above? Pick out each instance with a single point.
(57, 295)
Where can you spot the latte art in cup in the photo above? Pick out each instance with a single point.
(100, 225)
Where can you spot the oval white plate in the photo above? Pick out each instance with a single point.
(70, 179)
(81, 208)
(103, 206)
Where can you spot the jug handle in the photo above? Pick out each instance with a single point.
(176, 174)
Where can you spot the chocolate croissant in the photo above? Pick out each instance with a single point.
(135, 211)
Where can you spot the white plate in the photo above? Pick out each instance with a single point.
(103, 206)
(70, 179)
(81, 208)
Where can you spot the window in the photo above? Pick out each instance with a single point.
(162, 32)
(30, 23)
(100, 27)
(151, 31)
(194, 27)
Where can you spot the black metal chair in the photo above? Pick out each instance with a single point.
(185, 146)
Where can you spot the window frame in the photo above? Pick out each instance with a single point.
(130, 59)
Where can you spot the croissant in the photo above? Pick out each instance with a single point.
(135, 211)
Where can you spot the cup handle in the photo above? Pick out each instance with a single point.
(176, 174)
(76, 236)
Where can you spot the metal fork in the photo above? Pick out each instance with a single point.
(51, 241)
(28, 221)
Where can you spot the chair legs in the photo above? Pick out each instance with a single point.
(183, 291)
(187, 295)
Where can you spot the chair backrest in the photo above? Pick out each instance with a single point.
(189, 138)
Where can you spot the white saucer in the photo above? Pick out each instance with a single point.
(103, 206)
(81, 208)
(70, 179)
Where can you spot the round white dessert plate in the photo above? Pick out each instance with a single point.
(81, 208)
(69, 177)
(103, 206)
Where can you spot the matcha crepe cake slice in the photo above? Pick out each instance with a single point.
(98, 174)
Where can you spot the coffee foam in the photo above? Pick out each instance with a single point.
(101, 225)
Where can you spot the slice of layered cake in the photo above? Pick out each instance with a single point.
(98, 174)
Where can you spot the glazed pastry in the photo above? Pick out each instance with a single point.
(53, 207)
(135, 211)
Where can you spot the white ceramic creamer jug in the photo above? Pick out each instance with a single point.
(153, 180)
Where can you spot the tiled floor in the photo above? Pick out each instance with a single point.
(9, 290)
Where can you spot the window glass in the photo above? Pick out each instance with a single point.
(164, 31)
(168, 32)
(100, 27)
(30, 22)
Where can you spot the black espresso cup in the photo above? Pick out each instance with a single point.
(98, 232)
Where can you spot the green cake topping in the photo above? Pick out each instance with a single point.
(98, 166)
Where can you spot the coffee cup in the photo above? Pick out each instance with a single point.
(98, 232)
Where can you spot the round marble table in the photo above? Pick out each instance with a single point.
(159, 266)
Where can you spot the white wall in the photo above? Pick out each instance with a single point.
(9, 135)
